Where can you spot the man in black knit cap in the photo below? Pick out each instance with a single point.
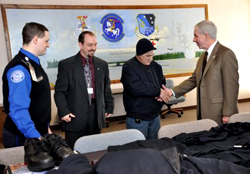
(143, 94)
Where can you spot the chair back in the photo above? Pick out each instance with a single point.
(12, 155)
(187, 127)
(99, 142)
(173, 100)
(240, 117)
(169, 83)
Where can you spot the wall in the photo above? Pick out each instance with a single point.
(231, 17)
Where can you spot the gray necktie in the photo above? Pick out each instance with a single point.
(88, 78)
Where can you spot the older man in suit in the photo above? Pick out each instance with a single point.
(216, 77)
(82, 91)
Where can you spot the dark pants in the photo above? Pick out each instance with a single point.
(90, 128)
(12, 140)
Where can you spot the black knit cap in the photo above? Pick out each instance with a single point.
(143, 46)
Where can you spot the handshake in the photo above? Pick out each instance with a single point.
(165, 95)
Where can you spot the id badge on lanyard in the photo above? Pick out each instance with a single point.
(90, 90)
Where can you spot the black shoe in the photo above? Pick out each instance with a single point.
(59, 149)
(37, 155)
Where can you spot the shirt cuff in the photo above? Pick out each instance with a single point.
(173, 94)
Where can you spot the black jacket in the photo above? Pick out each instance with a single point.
(204, 152)
(71, 95)
(141, 85)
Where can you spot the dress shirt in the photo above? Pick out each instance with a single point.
(210, 49)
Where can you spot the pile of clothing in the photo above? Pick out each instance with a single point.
(223, 149)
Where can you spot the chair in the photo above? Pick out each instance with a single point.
(12, 155)
(240, 117)
(174, 100)
(99, 142)
(187, 127)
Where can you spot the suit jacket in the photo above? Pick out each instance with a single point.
(218, 88)
(71, 94)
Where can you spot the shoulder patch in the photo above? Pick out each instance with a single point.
(17, 76)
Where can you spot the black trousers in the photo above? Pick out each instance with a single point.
(90, 128)
(12, 140)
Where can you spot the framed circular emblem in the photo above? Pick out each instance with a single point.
(112, 27)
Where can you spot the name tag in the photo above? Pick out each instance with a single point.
(90, 90)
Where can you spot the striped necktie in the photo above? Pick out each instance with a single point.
(204, 62)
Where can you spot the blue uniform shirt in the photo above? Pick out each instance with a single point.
(20, 84)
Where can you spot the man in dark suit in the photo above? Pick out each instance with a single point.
(82, 91)
(216, 77)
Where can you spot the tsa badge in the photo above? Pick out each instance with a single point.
(146, 24)
(112, 27)
(17, 76)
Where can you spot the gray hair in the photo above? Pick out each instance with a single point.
(207, 27)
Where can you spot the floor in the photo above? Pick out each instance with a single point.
(188, 115)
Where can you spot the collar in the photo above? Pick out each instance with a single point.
(136, 58)
(210, 49)
(83, 59)
(30, 55)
